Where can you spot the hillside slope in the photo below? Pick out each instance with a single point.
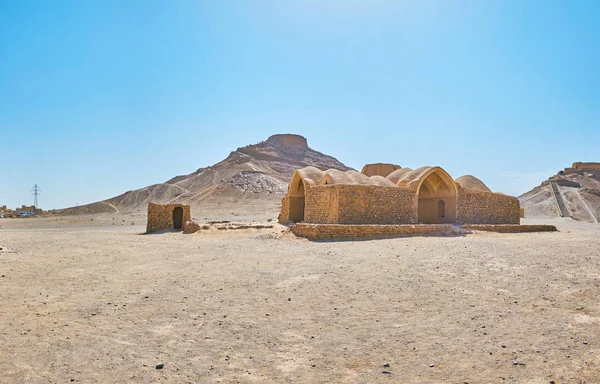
(579, 189)
(259, 172)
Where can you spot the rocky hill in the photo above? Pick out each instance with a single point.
(256, 172)
(573, 192)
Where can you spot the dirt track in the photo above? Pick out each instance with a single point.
(91, 302)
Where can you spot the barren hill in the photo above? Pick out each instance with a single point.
(573, 192)
(256, 172)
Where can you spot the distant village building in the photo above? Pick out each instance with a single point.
(389, 194)
(167, 216)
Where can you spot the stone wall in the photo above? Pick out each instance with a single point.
(371, 204)
(346, 231)
(284, 216)
(367, 204)
(160, 216)
(510, 228)
(587, 166)
(478, 207)
(350, 232)
(321, 205)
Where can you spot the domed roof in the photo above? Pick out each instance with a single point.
(352, 177)
(471, 182)
(381, 181)
(311, 175)
(398, 175)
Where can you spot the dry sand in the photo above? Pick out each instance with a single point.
(83, 300)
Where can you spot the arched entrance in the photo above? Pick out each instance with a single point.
(177, 218)
(297, 200)
(437, 198)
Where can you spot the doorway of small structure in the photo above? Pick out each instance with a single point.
(441, 210)
(297, 200)
(437, 199)
(177, 218)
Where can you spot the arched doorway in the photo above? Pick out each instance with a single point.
(437, 199)
(441, 212)
(297, 200)
(177, 218)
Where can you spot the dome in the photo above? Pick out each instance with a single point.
(398, 175)
(471, 182)
(311, 174)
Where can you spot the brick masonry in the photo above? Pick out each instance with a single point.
(349, 232)
(160, 216)
(479, 207)
(361, 204)
(376, 204)
(322, 204)
(510, 228)
(346, 231)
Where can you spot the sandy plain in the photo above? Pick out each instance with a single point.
(83, 300)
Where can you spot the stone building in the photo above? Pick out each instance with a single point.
(389, 194)
(586, 166)
(167, 216)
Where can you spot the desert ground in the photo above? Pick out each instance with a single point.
(91, 299)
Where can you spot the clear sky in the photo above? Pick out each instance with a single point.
(100, 97)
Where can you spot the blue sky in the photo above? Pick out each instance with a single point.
(100, 97)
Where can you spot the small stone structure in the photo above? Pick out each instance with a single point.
(167, 216)
(586, 166)
(393, 195)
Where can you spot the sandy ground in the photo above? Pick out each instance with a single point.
(83, 300)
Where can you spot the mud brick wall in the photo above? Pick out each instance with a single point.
(284, 216)
(345, 231)
(478, 207)
(366, 204)
(321, 204)
(160, 216)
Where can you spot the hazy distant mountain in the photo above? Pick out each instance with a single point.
(257, 172)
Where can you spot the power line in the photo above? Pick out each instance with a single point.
(35, 191)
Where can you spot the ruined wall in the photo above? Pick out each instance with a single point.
(321, 204)
(478, 207)
(367, 204)
(160, 216)
(587, 166)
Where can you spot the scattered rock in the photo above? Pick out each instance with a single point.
(386, 372)
(160, 366)
(431, 365)
(386, 365)
(584, 343)
(191, 226)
